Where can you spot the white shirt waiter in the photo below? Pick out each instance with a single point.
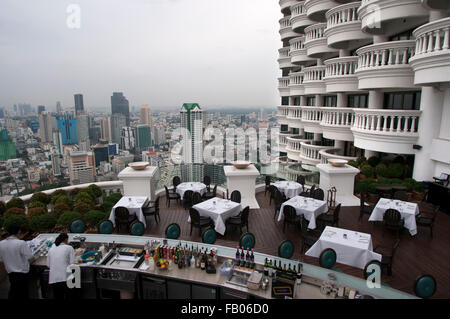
(59, 257)
(15, 254)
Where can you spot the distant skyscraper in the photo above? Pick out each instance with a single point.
(128, 138)
(2, 113)
(67, 125)
(105, 127)
(7, 146)
(58, 107)
(57, 140)
(143, 136)
(56, 164)
(45, 127)
(83, 129)
(40, 109)
(79, 105)
(120, 105)
(118, 121)
(81, 168)
(146, 115)
(100, 154)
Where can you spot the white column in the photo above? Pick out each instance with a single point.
(341, 100)
(302, 100)
(319, 100)
(343, 179)
(243, 180)
(340, 145)
(139, 182)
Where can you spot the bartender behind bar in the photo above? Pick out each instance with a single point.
(60, 256)
(15, 255)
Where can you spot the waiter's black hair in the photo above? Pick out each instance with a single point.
(13, 229)
(61, 237)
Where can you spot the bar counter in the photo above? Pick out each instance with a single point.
(174, 279)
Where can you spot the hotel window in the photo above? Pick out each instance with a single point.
(309, 136)
(330, 101)
(297, 101)
(358, 101)
(407, 35)
(285, 100)
(402, 100)
(311, 101)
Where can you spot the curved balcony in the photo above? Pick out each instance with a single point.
(316, 9)
(283, 112)
(286, 5)
(431, 62)
(283, 86)
(296, 83)
(310, 153)
(286, 32)
(294, 117)
(385, 65)
(284, 59)
(388, 131)
(311, 118)
(316, 43)
(330, 154)
(283, 140)
(313, 80)
(340, 74)
(386, 16)
(294, 147)
(436, 4)
(299, 19)
(344, 27)
(298, 52)
(337, 123)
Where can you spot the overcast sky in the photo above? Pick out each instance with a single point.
(158, 52)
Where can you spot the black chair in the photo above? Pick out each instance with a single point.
(187, 198)
(279, 200)
(304, 194)
(392, 220)
(301, 180)
(363, 208)
(240, 220)
(308, 237)
(236, 196)
(330, 219)
(176, 180)
(443, 179)
(209, 194)
(387, 255)
(152, 210)
(171, 196)
(272, 189)
(268, 180)
(290, 216)
(427, 220)
(199, 221)
(318, 194)
(401, 195)
(312, 190)
(123, 218)
(196, 198)
(207, 180)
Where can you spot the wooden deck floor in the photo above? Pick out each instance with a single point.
(414, 257)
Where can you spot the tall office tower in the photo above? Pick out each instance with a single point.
(2, 113)
(146, 115)
(143, 137)
(118, 121)
(83, 130)
(128, 138)
(262, 115)
(101, 154)
(67, 125)
(57, 140)
(40, 109)
(58, 107)
(120, 105)
(45, 127)
(56, 164)
(79, 105)
(24, 109)
(360, 78)
(105, 127)
(7, 146)
(95, 133)
(81, 168)
(159, 135)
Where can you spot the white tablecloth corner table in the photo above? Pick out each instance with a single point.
(134, 204)
(310, 208)
(352, 248)
(196, 187)
(288, 188)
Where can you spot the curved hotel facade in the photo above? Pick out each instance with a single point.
(366, 77)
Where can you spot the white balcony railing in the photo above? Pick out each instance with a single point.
(286, 4)
(296, 78)
(315, 32)
(329, 153)
(311, 153)
(283, 111)
(387, 122)
(295, 143)
(284, 58)
(314, 73)
(385, 55)
(337, 117)
(283, 83)
(295, 113)
(312, 114)
(344, 14)
(298, 9)
(433, 37)
(338, 67)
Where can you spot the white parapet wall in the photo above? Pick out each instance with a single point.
(243, 180)
(139, 182)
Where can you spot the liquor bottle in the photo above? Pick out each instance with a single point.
(252, 260)
(192, 263)
(289, 269)
(270, 268)
(284, 267)
(242, 257)
(203, 262)
(238, 257)
(197, 260)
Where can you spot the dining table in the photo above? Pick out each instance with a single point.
(196, 187)
(310, 208)
(134, 204)
(407, 210)
(352, 248)
(288, 188)
(219, 210)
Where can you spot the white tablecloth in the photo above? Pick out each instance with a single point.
(219, 212)
(406, 209)
(306, 206)
(355, 250)
(290, 189)
(193, 186)
(134, 206)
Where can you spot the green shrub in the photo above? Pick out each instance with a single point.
(114, 198)
(66, 218)
(36, 204)
(14, 211)
(82, 208)
(59, 209)
(367, 170)
(361, 160)
(64, 200)
(396, 181)
(373, 161)
(399, 159)
(418, 187)
(43, 223)
(107, 206)
(2, 208)
(54, 196)
(361, 186)
(15, 202)
(37, 211)
(84, 196)
(40, 197)
(84, 201)
(1, 222)
(93, 217)
(395, 170)
(381, 170)
(371, 187)
(383, 181)
(353, 163)
(94, 190)
(74, 192)
(16, 220)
